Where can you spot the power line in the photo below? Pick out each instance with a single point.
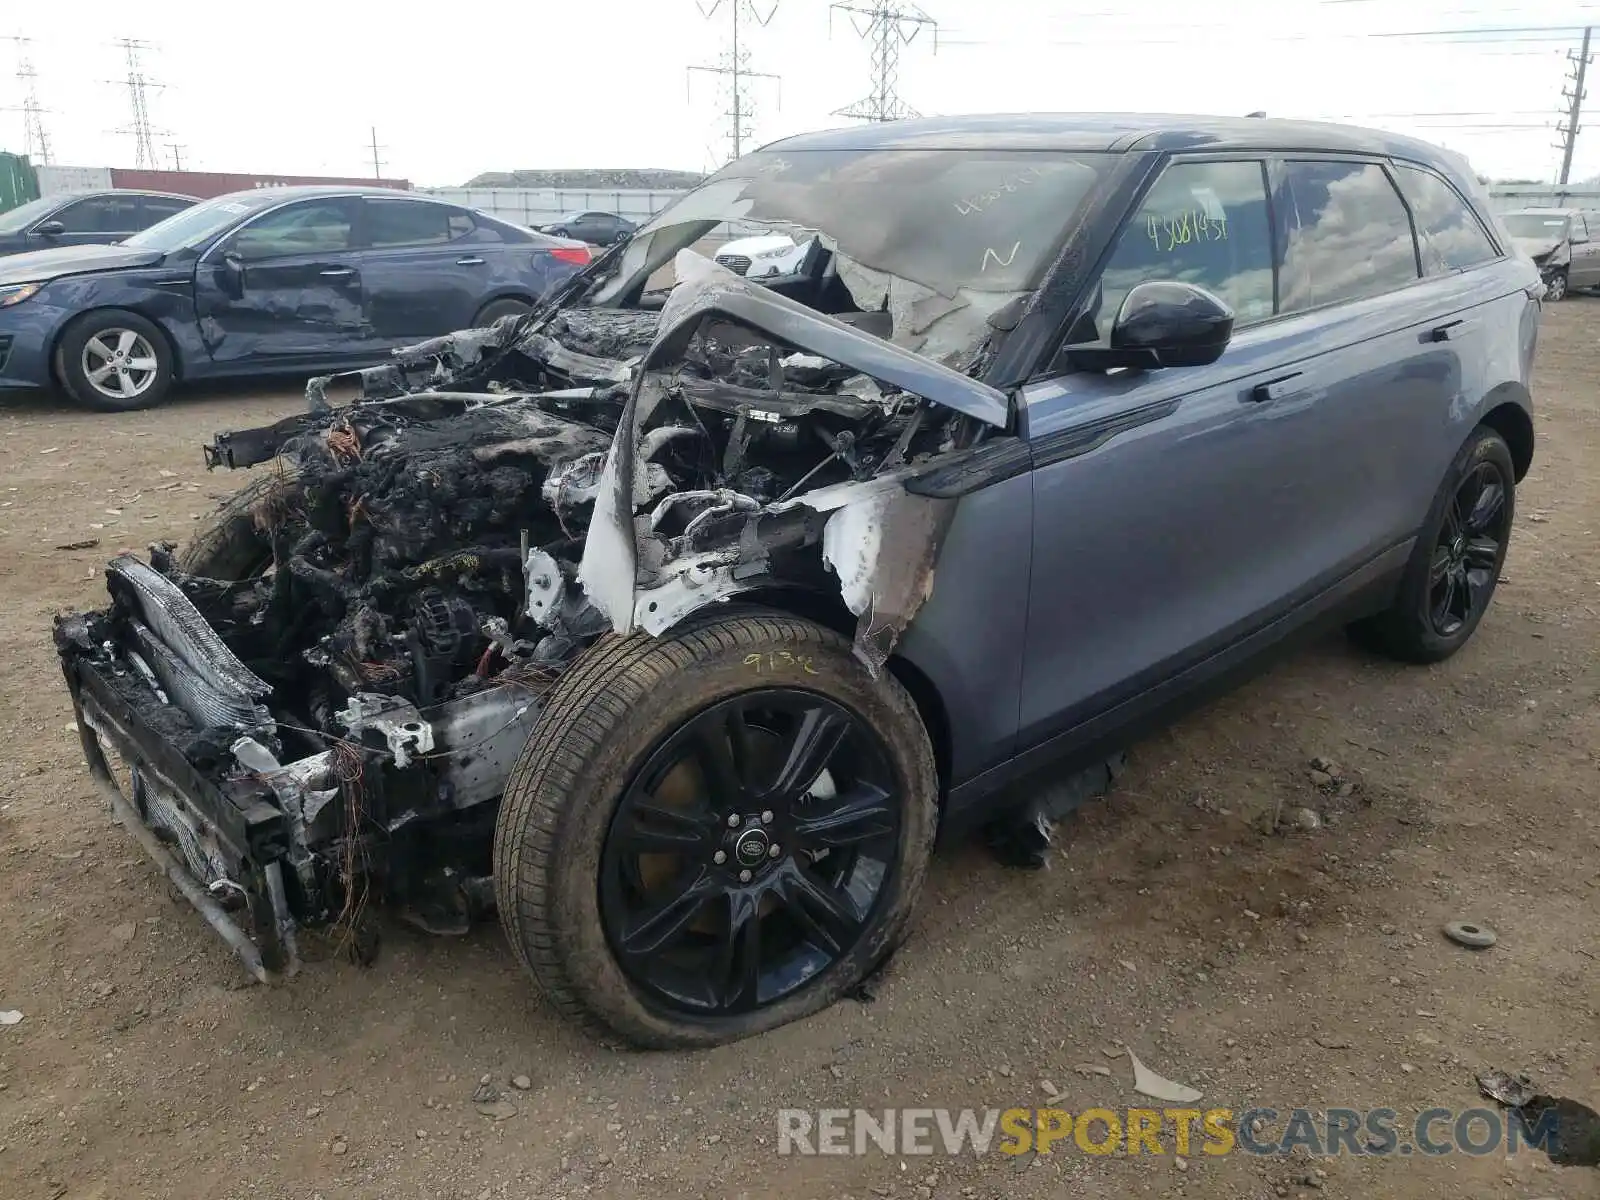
(1458, 36)
(888, 27)
(1569, 130)
(36, 144)
(733, 67)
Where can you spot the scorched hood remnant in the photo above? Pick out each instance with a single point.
(322, 699)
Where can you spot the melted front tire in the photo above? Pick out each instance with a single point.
(715, 832)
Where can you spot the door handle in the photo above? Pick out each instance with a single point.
(336, 272)
(1443, 333)
(1274, 389)
(471, 260)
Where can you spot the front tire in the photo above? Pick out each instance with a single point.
(1555, 288)
(1450, 580)
(114, 360)
(715, 832)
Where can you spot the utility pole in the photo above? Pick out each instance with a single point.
(1574, 98)
(377, 163)
(888, 26)
(177, 155)
(733, 66)
(144, 135)
(34, 140)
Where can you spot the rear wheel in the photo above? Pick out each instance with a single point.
(496, 309)
(716, 832)
(114, 360)
(1451, 577)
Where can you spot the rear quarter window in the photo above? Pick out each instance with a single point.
(1452, 237)
(1343, 234)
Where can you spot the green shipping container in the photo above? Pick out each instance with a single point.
(19, 182)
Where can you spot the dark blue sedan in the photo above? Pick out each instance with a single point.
(298, 280)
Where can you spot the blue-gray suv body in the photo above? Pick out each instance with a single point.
(681, 623)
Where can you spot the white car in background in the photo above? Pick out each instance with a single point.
(763, 256)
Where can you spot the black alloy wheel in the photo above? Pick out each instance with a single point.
(1467, 556)
(750, 852)
(1450, 577)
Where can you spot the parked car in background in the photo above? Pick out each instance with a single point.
(1149, 396)
(86, 219)
(265, 281)
(1564, 244)
(596, 228)
(764, 255)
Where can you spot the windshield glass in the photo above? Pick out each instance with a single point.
(194, 225)
(1536, 225)
(17, 219)
(981, 220)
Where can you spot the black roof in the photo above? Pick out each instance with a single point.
(1119, 132)
(302, 191)
(122, 192)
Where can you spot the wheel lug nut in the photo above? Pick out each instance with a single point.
(719, 857)
(733, 820)
(766, 817)
(773, 850)
(744, 876)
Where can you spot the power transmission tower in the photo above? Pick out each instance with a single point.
(733, 67)
(888, 26)
(377, 163)
(144, 134)
(177, 155)
(1569, 129)
(36, 144)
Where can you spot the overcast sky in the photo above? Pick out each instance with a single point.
(292, 86)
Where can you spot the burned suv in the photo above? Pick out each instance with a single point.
(675, 618)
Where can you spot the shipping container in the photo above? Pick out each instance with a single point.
(19, 182)
(206, 184)
(61, 181)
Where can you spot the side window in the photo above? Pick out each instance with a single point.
(1580, 228)
(311, 227)
(1344, 234)
(1202, 223)
(1453, 238)
(97, 214)
(156, 208)
(392, 223)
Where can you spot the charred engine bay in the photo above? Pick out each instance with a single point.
(414, 531)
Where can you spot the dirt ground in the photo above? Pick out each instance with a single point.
(1300, 969)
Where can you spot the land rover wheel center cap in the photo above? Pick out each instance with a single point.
(750, 850)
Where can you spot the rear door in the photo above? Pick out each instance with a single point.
(1584, 240)
(425, 271)
(284, 289)
(1183, 517)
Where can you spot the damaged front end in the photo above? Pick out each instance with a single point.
(319, 705)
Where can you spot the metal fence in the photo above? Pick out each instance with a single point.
(541, 206)
(1508, 197)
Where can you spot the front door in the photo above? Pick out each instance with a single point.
(284, 290)
(94, 220)
(1181, 514)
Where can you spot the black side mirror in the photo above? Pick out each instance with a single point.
(230, 275)
(50, 229)
(1162, 324)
